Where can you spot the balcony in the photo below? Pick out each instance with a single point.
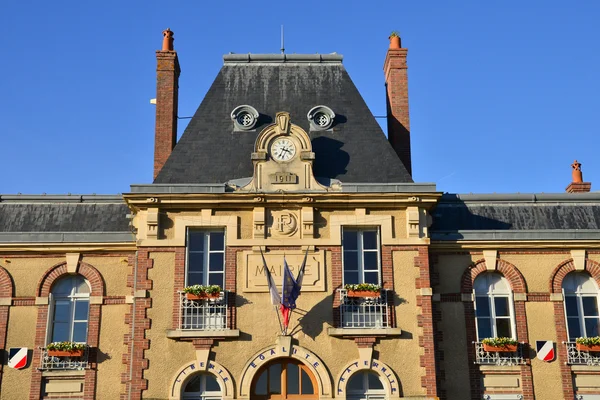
(579, 357)
(498, 358)
(64, 363)
(203, 318)
(364, 316)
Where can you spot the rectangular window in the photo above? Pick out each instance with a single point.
(205, 258)
(361, 256)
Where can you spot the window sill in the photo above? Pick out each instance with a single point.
(582, 368)
(192, 334)
(489, 367)
(63, 372)
(357, 332)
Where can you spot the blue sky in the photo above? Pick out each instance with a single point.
(503, 94)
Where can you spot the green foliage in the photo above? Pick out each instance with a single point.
(394, 34)
(199, 290)
(588, 341)
(499, 341)
(65, 346)
(363, 287)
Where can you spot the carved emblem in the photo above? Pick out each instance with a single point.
(283, 121)
(285, 223)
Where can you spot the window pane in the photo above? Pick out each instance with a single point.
(211, 384)
(484, 328)
(215, 279)
(503, 327)
(196, 262)
(196, 241)
(590, 306)
(60, 332)
(574, 328)
(350, 240)
(374, 382)
(356, 383)
(370, 261)
(63, 286)
(370, 240)
(261, 384)
(351, 277)
(195, 279)
(483, 306)
(81, 310)
(350, 261)
(501, 306)
(275, 379)
(293, 377)
(62, 311)
(80, 332)
(217, 241)
(372, 277)
(194, 385)
(591, 327)
(216, 262)
(81, 285)
(571, 306)
(307, 387)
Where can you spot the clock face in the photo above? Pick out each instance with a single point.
(283, 149)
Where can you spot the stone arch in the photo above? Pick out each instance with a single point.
(284, 349)
(194, 367)
(388, 377)
(90, 273)
(563, 269)
(7, 286)
(506, 269)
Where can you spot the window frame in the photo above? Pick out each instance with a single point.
(491, 296)
(203, 394)
(206, 255)
(360, 252)
(366, 392)
(579, 295)
(72, 299)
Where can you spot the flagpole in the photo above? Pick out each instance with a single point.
(278, 319)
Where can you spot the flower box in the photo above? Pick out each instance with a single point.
(362, 293)
(509, 348)
(584, 347)
(202, 296)
(65, 353)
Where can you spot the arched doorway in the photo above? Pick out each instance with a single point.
(284, 378)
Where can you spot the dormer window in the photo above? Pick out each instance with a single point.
(244, 117)
(320, 118)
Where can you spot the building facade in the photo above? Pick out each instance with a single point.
(283, 163)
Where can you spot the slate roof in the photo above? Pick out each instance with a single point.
(355, 150)
(517, 212)
(37, 214)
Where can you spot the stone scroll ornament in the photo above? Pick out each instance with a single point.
(290, 290)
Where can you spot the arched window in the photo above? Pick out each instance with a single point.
(202, 387)
(365, 385)
(70, 305)
(284, 379)
(581, 305)
(493, 306)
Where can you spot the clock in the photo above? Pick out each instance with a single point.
(283, 149)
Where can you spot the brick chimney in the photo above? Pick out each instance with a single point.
(396, 83)
(578, 185)
(167, 87)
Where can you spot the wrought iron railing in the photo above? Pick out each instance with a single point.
(579, 357)
(206, 314)
(498, 358)
(364, 312)
(64, 362)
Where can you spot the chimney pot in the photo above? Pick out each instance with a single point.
(578, 185)
(167, 40)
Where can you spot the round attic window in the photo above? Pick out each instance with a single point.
(244, 117)
(321, 118)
